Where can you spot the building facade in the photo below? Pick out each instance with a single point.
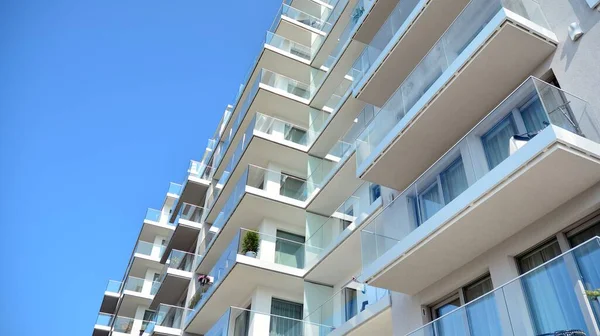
(389, 167)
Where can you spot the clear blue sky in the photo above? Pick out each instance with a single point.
(102, 103)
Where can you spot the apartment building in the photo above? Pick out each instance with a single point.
(388, 167)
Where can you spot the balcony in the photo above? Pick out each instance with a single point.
(146, 255)
(128, 326)
(271, 94)
(341, 58)
(264, 137)
(489, 39)
(259, 193)
(357, 309)
(336, 179)
(335, 25)
(195, 186)
(103, 324)
(295, 22)
(411, 29)
(534, 141)
(136, 292)
(111, 296)
(188, 224)
(278, 264)
(168, 320)
(338, 115)
(545, 300)
(332, 239)
(174, 278)
(258, 323)
(156, 224)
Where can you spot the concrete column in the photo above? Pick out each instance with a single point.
(260, 322)
(268, 234)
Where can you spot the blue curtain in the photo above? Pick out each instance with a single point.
(430, 202)
(552, 301)
(588, 260)
(534, 116)
(454, 180)
(451, 324)
(483, 316)
(496, 142)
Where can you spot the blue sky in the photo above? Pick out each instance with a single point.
(102, 104)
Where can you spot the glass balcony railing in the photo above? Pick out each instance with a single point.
(199, 170)
(342, 149)
(141, 286)
(357, 14)
(320, 120)
(123, 325)
(399, 18)
(153, 215)
(269, 78)
(180, 260)
(346, 304)
(175, 189)
(270, 183)
(190, 212)
(407, 99)
(149, 249)
(114, 286)
(302, 17)
(261, 124)
(286, 251)
(238, 321)
(323, 231)
(104, 320)
(289, 46)
(531, 108)
(548, 300)
(167, 316)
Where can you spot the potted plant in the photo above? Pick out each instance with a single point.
(250, 244)
(593, 294)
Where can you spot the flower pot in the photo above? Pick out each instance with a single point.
(251, 254)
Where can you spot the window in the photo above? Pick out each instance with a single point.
(242, 323)
(538, 256)
(481, 313)
(289, 249)
(292, 187)
(496, 141)
(345, 222)
(286, 318)
(148, 317)
(295, 134)
(374, 192)
(155, 277)
(350, 303)
(586, 231)
(552, 303)
(447, 186)
(588, 255)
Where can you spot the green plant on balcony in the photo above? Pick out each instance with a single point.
(250, 244)
(195, 299)
(593, 294)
